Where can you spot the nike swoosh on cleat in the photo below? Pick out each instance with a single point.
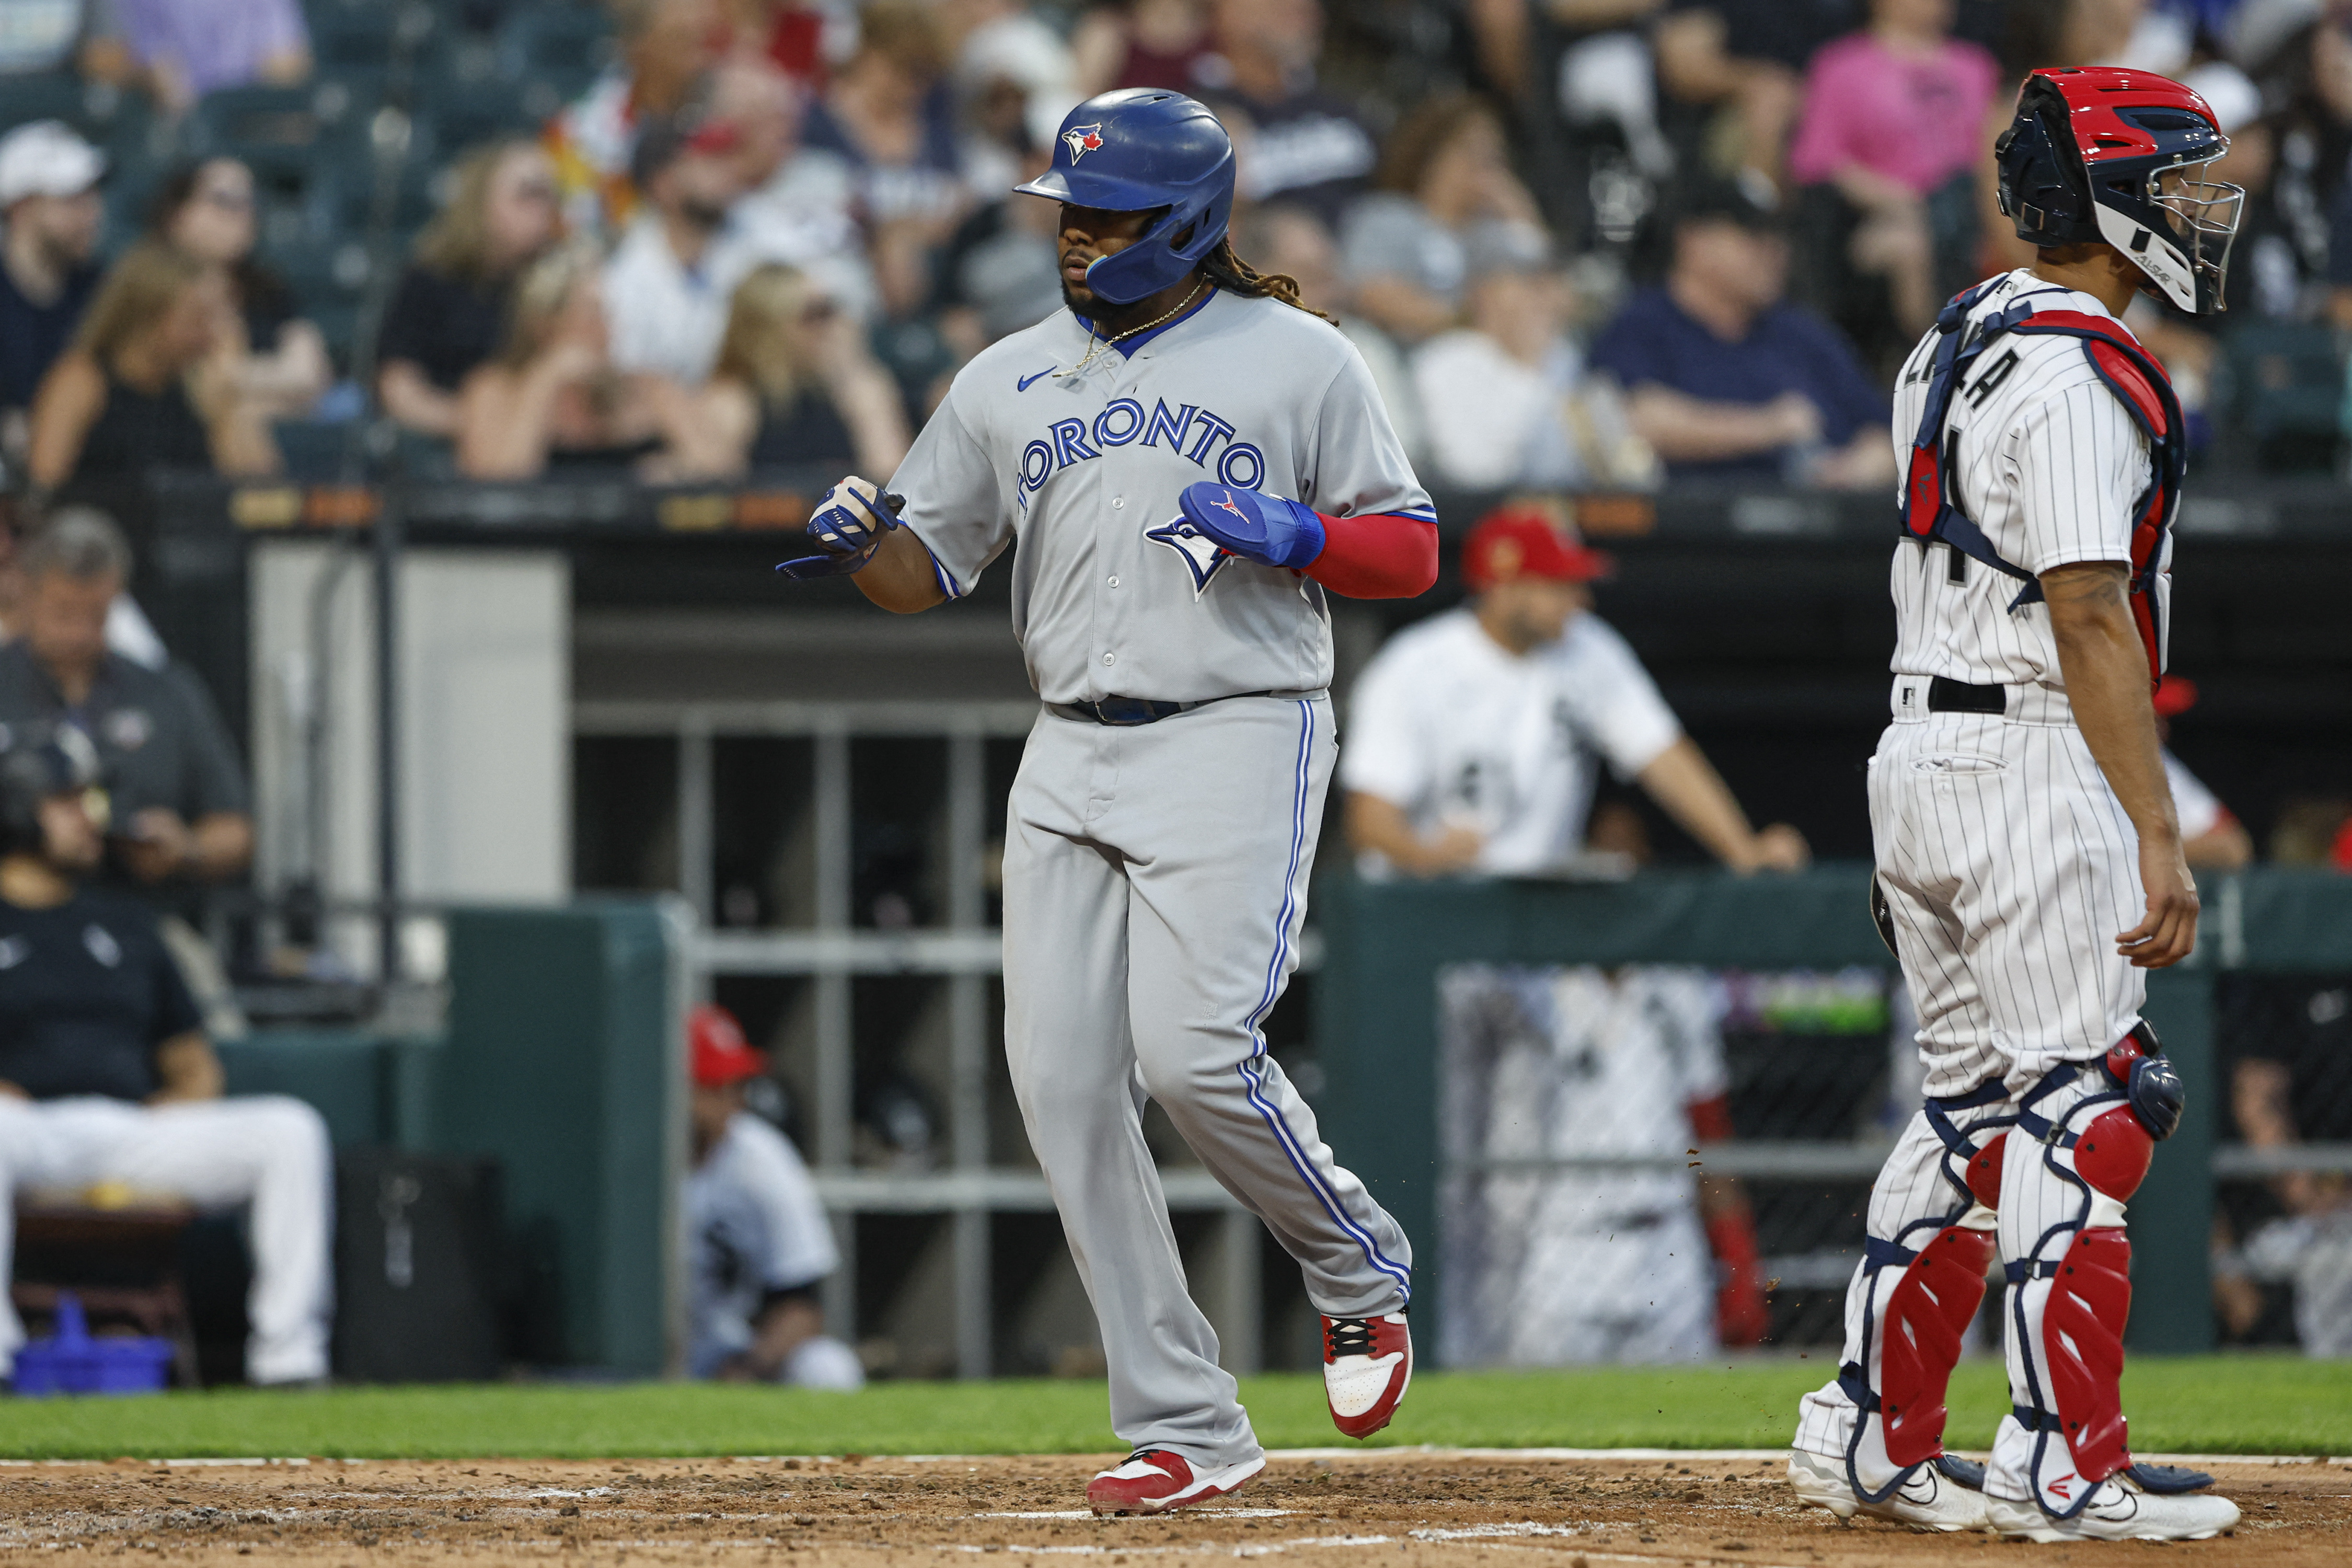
(1027, 380)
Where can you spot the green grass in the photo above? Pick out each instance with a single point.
(2208, 1404)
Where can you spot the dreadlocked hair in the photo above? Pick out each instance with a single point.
(1231, 273)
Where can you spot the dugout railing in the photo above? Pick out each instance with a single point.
(1377, 1026)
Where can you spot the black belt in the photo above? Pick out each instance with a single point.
(1958, 697)
(1127, 712)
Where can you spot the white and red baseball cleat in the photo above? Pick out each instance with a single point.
(1154, 1481)
(1366, 1367)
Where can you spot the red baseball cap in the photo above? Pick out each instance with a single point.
(719, 1053)
(1520, 542)
(2175, 695)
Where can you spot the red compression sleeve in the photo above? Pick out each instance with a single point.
(1380, 555)
(1711, 1119)
(1741, 1314)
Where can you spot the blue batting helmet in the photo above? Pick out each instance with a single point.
(1139, 150)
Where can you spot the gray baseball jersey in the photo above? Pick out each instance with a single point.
(1155, 877)
(1113, 595)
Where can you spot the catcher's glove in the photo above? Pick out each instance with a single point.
(1883, 918)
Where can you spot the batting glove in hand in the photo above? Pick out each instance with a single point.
(1265, 528)
(846, 528)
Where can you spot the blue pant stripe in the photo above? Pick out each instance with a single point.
(1248, 1068)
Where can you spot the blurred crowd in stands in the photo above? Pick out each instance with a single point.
(1590, 245)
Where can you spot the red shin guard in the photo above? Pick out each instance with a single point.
(1926, 1315)
(2082, 1346)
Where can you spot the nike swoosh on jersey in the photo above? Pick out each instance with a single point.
(1025, 382)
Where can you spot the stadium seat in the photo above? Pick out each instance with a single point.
(414, 204)
(463, 114)
(330, 281)
(48, 95)
(356, 41)
(313, 451)
(237, 118)
(563, 46)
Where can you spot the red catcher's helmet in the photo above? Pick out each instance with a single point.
(2105, 153)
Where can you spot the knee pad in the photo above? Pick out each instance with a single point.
(2082, 1346)
(2112, 1153)
(1927, 1312)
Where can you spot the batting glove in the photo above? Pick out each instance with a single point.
(1265, 528)
(846, 528)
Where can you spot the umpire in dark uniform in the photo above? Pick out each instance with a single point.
(180, 815)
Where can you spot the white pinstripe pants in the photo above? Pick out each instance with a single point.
(2007, 866)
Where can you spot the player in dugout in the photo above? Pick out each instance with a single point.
(757, 1239)
(106, 1077)
(1475, 739)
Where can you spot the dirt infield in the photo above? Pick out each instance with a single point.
(1374, 1509)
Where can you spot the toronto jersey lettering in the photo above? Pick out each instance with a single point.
(2049, 464)
(1114, 594)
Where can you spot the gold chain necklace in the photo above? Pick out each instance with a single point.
(1095, 347)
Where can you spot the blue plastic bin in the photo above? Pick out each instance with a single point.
(73, 1362)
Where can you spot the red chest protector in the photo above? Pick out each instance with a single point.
(1930, 512)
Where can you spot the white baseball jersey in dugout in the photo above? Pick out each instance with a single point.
(1455, 730)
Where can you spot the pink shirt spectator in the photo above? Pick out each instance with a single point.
(1917, 120)
(213, 44)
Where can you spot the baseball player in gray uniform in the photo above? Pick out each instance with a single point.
(1190, 461)
(2029, 864)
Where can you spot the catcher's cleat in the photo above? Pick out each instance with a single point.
(1366, 1367)
(1154, 1481)
(2118, 1511)
(1929, 1499)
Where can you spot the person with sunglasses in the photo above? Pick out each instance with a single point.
(794, 385)
(208, 209)
(450, 309)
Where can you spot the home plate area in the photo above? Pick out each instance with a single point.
(1367, 1510)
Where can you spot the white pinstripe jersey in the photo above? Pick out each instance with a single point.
(2050, 466)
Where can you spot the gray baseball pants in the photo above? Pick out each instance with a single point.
(1155, 882)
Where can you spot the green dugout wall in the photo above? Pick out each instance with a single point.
(1385, 942)
(563, 1058)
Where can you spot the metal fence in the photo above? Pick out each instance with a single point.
(1523, 1073)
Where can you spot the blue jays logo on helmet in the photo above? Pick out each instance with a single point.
(1145, 150)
